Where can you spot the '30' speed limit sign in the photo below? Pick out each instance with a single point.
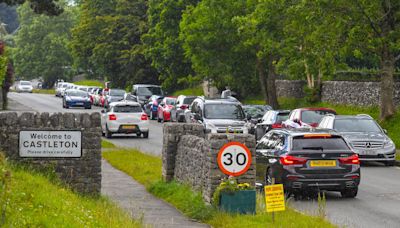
(234, 159)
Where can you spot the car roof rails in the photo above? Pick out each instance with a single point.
(364, 115)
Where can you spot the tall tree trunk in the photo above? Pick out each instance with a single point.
(262, 77)
(271, 88)
(387, 83)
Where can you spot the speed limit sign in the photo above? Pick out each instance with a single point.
(234, 159)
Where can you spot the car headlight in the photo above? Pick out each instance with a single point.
(388, 143)
(211, 128)
(68, 99)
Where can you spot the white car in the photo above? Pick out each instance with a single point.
(124, 117)
(24, 86)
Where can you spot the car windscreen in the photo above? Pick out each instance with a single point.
(117, 92)
(318, 144)
(188, 100)
(127, 108)
(64, 85)
(356, 125)
(282, 116)
(170, 101)
(84, 89)
(148, 91)
(77, 93)
(25, 83)
(223, 111)
(314, 116)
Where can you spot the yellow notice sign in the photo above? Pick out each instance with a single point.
(274, 198)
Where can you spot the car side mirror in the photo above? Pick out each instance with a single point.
(385, 131)
(103, 111)
(162, 104)
(296, 121)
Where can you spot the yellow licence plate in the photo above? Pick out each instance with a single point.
(323, 163)
(130, 127)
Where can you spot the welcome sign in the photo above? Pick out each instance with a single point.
(65, 144)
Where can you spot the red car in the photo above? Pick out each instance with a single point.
(164, 109)
(306, 117)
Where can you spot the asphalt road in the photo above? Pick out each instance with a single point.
(52, 104)
(377, 203)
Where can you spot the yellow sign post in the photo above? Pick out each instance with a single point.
(274, 198)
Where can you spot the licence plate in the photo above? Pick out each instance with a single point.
(367, 152)
(129, 127)
(79, 103)
(323, 163)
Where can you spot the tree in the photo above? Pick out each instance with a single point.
(42, 45)
(216, 49)
(163, 45)
(48, 7)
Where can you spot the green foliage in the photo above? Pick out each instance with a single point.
(48, 7)
(196, 91)
(42, 45)
(29, 199)
(141, 167)
(229, 185)
(163, 45)
(90, 83)
(107, 42)
(44, 91)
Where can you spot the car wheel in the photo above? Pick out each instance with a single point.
(145, 135)
(108, 133)
(158, 119)
(138, 134)
(389, 163)
(66, 106)
(349, 192)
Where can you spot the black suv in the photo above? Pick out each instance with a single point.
(308, 160)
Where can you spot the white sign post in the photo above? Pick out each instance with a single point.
(52, 144)
(234, 159)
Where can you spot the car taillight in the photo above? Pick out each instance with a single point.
(291, 160)
(112, 117)
(276, 126)
(183, 107)
(144, 117)
(352, 160)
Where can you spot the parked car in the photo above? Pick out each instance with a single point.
(61, 86)
(113, 95)
(164, 110)
(92, 93)
(144, 92)
(183, 103)
(124, 117)
(306, 160)
(65, 87)
(151, 106)
(306, 117)
(254, 113)
(24, 86)
(219, 115)
(76, 98)
(271, 120)
(364, 136)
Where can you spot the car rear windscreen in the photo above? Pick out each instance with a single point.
(314, 116)
(282, 116)
(127, 108)
(188, 100)
(333, 143)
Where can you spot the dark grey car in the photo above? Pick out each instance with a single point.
(308, 160)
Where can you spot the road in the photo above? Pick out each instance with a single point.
(52, 104)
(377, 203)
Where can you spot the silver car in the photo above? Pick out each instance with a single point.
(364, 135)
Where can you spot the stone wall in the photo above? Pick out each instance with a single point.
(340, 92)
(193, 158)
(81, 174)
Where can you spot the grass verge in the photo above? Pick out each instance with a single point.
(107, 144)
(195, 91)
(146, 169)
(30, 199)
(90, 83)
(44, 91)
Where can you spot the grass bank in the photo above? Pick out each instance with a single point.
(146, 169)
(107, 144)
(90, 83)
(30, 199)
(195, 91)
(44, 91)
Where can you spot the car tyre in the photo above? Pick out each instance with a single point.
(158, 119)
(108, 133)
(389, 163)
(349, 193)
(145, 135)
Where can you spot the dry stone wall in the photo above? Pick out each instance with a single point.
(190, 157)
(82, 174)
